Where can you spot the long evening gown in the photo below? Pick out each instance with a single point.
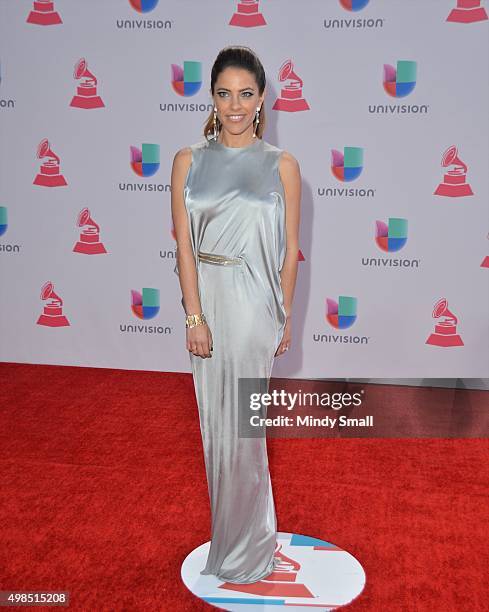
(235, 205)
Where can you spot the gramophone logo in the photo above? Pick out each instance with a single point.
(400, 81)
(391, 236)
(445, 333)
(247, 15)
(291, 99)
(49, 174)
(186, 81)
(89, 241)
(86, 92)
(143, 6)
(354, 5)
(145, 305)
(347, 166)
(467, 11)
(3, 220)
(43, 13)
(341, 314)
(454, 183)
(145, 161)
(52, 315)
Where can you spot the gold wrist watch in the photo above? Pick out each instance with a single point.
(195, 319)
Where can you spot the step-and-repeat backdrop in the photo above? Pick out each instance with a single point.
(384, 104)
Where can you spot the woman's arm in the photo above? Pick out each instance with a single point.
(199, 338)
(291, 178)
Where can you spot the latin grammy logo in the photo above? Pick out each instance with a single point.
(86, 93)
(291, 99)
(282, 582)
(43, 13)
(247, 15)
(52, 315)
(89, 242)
(49, 174)
(445, 333)
(454, 181)
(467, 11)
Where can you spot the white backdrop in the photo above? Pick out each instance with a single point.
(339, 55)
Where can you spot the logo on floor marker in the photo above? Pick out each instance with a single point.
(309, 572)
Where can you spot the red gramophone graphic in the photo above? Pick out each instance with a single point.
(291, 99)
(445, 333)
(247, 15)
(280, 583)
(43, 13)
(53, 311)
(454, 184)
(86, 96)
(49, 175)
(485, 261)
(89, 242)
(467, 11)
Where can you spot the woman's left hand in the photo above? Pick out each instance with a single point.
(284, 345)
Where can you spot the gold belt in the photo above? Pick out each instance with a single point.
(221, 260)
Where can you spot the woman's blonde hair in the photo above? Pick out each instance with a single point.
(237, 57)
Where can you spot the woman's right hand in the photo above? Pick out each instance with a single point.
(199, 340)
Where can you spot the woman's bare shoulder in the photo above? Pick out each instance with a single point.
(288, 161)
(289, 167)
(183, 155)
(182, 161)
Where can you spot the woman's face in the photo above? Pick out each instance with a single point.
(236, 98)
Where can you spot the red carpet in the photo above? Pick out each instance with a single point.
(104, 494)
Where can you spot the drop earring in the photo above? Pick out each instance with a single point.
(215, 124)
(257, 121)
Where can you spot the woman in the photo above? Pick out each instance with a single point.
(235, 208)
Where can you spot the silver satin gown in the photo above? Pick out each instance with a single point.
(235, 205)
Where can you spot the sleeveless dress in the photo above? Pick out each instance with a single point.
(235, 205)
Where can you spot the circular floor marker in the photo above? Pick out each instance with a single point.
(311, 575)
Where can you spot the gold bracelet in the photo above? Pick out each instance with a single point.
(195, 319)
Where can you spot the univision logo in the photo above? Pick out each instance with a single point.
(143, 7)
(346, 166)
(341, 314)
(3, 220)
(399, 81)
(6, 248)
(145, 305)
(145, 162)
(186, 81)
(391, 237)
(353, 6)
